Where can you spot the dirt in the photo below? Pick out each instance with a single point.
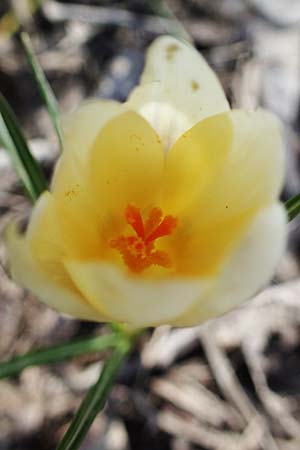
(232, 384)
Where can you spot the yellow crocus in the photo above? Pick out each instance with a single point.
(164, 209)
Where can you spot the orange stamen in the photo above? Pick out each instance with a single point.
(165, 228)
(133, 217)
(154, 219)
(139, 251)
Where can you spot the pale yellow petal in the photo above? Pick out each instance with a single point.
(132, 299)
(81, 127)
(247, 269)
(254, 172)
(195, 161)
(250, 179)
(76, 202)
(42, 234)
(126, 166)
(76, 205)
(45, 241)
(177, 89)
(27, 271)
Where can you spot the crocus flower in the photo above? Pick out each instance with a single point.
(164, 209)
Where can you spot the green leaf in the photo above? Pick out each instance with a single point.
(45, 90)
(162, 9)
(58, 353)
(95, 399)
(293, 207)
(13, 140)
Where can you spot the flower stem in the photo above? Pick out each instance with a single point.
(58, 353)
(95, 399)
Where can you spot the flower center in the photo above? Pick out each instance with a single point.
(138, 251)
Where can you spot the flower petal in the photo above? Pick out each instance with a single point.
(249, 180)
(254, 171)
(45, 242)
(195, 161)
(28, 272)
(75, 200)
(132, 299)
(126, 165)
(177, 89)
(81, 127)
(249, 267)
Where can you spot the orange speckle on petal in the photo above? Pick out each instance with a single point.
(138, 251)
(170, 51)
(195, 85)
(71, 193)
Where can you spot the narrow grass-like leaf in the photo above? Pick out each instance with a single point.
(293, 207)
(13, 140)
(58, 353)
(95, 399)
(162, 9)
(44, 87)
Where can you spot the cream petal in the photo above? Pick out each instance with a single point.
(46, 243)
(70, 182)
(253, 174)
(75, 200)
(26, 271)
(122, 167)
(177, 89)
(131, 299)
(249, 177)
(81, 127)
(195, 161)
(42, 232)
(249, 267)
(126, 166)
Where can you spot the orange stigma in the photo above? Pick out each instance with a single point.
(138, 251)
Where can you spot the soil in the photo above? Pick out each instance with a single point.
(231, 384)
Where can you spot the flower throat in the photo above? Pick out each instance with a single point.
(138, 250)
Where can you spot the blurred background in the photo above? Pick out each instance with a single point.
(232, 384)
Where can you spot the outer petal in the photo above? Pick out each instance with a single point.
(81, 127)
(126, 165)
(75, 200)
(35, 261)
(248, 269)
(254, 171)
(195, 161)
(28, 273)
(44, 240)
(249, 180)
(132, 299)
(177, 89)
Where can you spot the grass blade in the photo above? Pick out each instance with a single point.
(58, 353)
(95, 399)
(162, 9)
(293, 207)
(13, 140)
(45, 89)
